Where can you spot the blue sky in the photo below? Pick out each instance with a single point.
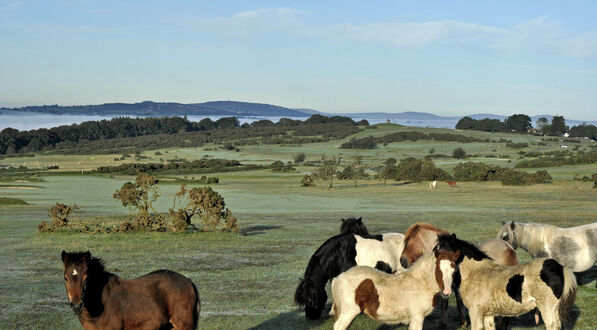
(443, 57)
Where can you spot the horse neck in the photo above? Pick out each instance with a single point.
(530, 237)
(92, 301)
(424, 270)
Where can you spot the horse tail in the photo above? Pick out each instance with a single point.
(568, 295)
(197, 309)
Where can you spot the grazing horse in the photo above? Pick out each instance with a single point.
(433, 184)
(421, 238)
(159, 300)
(574, 248)
(340, 253)
(489, 289)
(451, 183)
(404, 297)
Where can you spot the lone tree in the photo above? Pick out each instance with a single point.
(327, 170)
(458, 153)
(541, 122)
(299, 158)
(206, 203)
(140, 195)
(60, 214)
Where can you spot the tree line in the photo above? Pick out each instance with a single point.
(520, 123)
(13, 141)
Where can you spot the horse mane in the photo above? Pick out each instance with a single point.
(97, 278)
(451, 243)
(353, 226)
(413, 230)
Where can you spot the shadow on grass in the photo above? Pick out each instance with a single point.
(257, 230)
(587, 276)
(291, 320)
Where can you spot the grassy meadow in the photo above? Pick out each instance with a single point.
(247, 279)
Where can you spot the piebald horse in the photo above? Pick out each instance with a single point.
(404, 297)
(489, 289)
(421, 238)
(574, 248)
(340, 253)
(161, 299)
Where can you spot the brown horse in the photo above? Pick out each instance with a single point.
(162, 299)
(451, 183)
(421, 238)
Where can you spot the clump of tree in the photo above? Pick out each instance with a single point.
(478, 171)
(307, 181)
(417, 170)
(458, 153)
(517, 145)
(584, 130)
(327, 169)
(279, 166)
(363, 143)
(555, 159)
(61, 218)
(556, 128)
(139, 196)
(299, 158)
(388, 170)
(355, 171)
(205, 203)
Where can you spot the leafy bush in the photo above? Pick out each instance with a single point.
(515, 145)
(299, 158)
(60, 214)
(307, 181)
(416, 170)
(458, 153)
(364, 143)
(279, 166)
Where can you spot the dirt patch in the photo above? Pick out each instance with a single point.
(9, 187)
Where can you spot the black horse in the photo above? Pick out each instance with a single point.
(338, 254)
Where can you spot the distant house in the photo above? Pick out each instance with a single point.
(388, 121)
(566, 135)
(564, 146)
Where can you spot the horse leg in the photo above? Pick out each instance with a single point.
(460, 306)
(476, 320)
(443, 323)
(416, 322)
(489, 323)
(345, 315)
(551, 318)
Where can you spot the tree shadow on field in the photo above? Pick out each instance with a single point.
(257, 230)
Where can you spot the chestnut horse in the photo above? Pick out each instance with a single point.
(161, 299)
(451, 183)
(421, 238)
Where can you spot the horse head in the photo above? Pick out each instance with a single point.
(75, 277)
(418, 240)
(508, 234)
(445, 266)
(353, 226)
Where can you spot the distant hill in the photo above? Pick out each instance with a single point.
(148, 108)
(248, 109)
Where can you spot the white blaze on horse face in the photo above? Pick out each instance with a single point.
(75, 272)
(447, 274)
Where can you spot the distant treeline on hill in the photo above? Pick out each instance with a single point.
(371, 142)
(521, 123)
(198, 166)
(13, 141)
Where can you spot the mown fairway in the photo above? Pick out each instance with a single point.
(247, 279)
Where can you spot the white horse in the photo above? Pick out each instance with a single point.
(574, 248)
(433, 184)
(403, 297)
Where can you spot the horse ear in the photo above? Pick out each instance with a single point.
(503, 222)
(343, 220)
(512, 225)
(360, 219)
(87, 255)
(453, 235)
(63, 257)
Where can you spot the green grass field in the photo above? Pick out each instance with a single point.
(247, 279)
